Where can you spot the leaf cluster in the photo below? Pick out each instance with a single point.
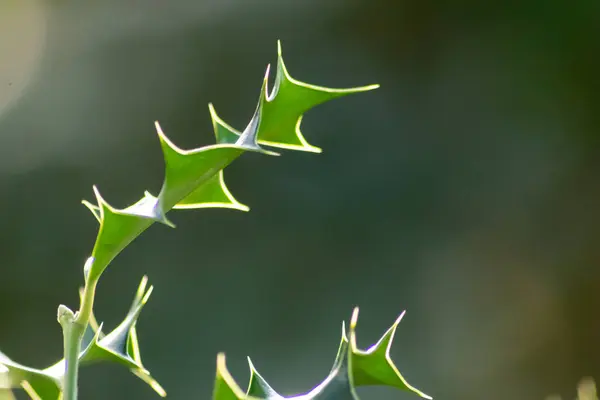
(195, 179)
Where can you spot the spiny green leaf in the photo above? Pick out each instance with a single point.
(337, 386)
(213, 193)
(121, 345)
(194, 178)
(284, 107)
(225, 387)
(352, 368)
(39, 384)
(374, 365)
(258, 386)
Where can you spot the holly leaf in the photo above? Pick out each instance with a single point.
(39, 384)
(225, 387)
(121, 346)
(352, 368)
(194, 178)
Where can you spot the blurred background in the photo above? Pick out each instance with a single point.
(466, 190)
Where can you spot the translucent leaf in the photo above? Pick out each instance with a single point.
(194, 178)
(352, 368)
(284, 107)
(225, 387)
(213, 193)
(258, 386)
(121, 345)
(374, 365)
(37, 383)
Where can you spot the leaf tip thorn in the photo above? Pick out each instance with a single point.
(99, 198)
(354, 319)
(221, 365)
(399, 318)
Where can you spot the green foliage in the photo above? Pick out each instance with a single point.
(119, 346)
(352, 368)
(194, 179)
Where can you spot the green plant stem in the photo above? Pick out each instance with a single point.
(72, 347)
(73, 330)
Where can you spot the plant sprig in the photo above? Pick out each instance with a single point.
(352, 368)
(194, 179)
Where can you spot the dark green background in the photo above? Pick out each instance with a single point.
(465, 190)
